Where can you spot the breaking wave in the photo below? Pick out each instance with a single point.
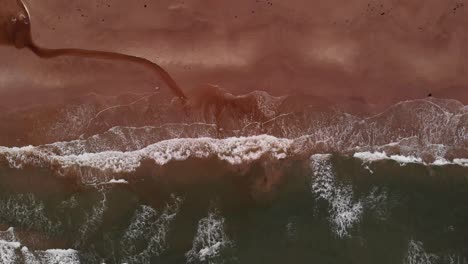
(429, 131)
(142, 192)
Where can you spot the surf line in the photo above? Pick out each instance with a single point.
(21, 37)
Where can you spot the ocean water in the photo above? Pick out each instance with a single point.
(327, 209)
(314, 187)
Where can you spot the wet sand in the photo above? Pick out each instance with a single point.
(379, 53)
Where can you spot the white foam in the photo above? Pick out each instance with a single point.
(369, 169)
(235, 150)
(18, 157)
(56, 251)
(29, 257)
(209, 251)
(368, 156)
(209, 240)
(150, 227)
(10, 253)
(50, 256)
(405, 159)
(95, 182)
(10, 244)
(59, 256)
(371, 156)
(441, 162)
(119, 181)
(344, 212)
(376, 156)
(461, 162)
(26, 211)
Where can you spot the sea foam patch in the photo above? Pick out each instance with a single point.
(8, 252)
(368, 156)
(13, 252)
(344, 212)
(210, 239)
(57, 256)
(147, 235)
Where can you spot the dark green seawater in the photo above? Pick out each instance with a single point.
(326, 209)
